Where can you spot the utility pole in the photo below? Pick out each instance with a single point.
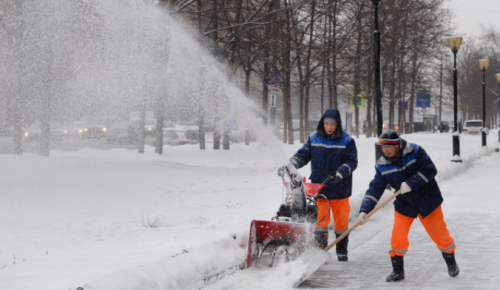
(441, 90)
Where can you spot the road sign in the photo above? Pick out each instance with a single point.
(273, 101)
(360, 100)
(273, 89)
(423, 99)
(403, 105)
(272, 80)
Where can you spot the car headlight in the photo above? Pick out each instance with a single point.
(104, 129)
(85, 129)
(65, 131)
(26, 134)
(80, 131)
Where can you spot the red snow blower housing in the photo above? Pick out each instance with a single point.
(290, 233)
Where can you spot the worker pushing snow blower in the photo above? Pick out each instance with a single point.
(301, 226)
(334, 157)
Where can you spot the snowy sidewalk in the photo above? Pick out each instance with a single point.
(471, 212)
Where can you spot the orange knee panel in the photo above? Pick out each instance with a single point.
(340, 208)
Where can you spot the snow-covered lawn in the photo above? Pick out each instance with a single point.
(83, 219)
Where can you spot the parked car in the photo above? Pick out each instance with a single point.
(94, 130)
(135, 126)
(119, 133)
(313, 126)
(32, 133)
(74, 130)
(150, 127)
(472, 127)
(174, 137)
(6, 130)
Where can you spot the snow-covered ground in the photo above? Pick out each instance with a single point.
(83, 219)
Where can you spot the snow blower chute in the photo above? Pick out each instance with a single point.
(289, 235)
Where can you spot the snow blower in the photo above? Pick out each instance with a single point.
(289, 235)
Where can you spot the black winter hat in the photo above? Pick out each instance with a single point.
(389, 137)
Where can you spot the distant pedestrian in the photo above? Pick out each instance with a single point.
(406, 166)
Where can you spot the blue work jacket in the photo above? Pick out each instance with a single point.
(328, 153)
(415, 168)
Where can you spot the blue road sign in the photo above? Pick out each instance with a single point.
(423, 100)
(272, 80)
(403, 105)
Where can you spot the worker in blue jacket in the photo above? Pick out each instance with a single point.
(407, 167)
(333, 156)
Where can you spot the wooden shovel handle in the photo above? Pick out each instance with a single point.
(359, 222)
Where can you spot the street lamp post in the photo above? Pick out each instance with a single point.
(498, 121)
(454, 43)
(378, 86)
(483, 64)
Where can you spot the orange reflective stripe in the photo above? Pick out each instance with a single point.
(394, 253)
(449, 248)
(320, 229)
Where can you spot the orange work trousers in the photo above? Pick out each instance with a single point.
(340, 209)
(434, 225)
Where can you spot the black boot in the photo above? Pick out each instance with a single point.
(321, 239)
(452, 264)
(342, 248)
(398, 269)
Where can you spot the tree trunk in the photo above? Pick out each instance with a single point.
(142, 129)
(308, 71)
(160, 115)
(357, 77)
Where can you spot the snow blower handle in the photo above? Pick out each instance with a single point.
(359, 222)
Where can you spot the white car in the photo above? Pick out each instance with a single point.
(473, 127)
(174, 137)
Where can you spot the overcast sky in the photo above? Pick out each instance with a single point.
(471, 14)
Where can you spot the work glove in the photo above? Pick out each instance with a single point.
(363, 218)
(405, 188)
(282, 169)
(336, 176)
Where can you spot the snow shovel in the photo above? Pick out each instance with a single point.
(311, 269)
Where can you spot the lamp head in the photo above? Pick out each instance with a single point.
(483, 64)
(454, 43)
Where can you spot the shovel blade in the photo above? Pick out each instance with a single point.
(313, 258)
